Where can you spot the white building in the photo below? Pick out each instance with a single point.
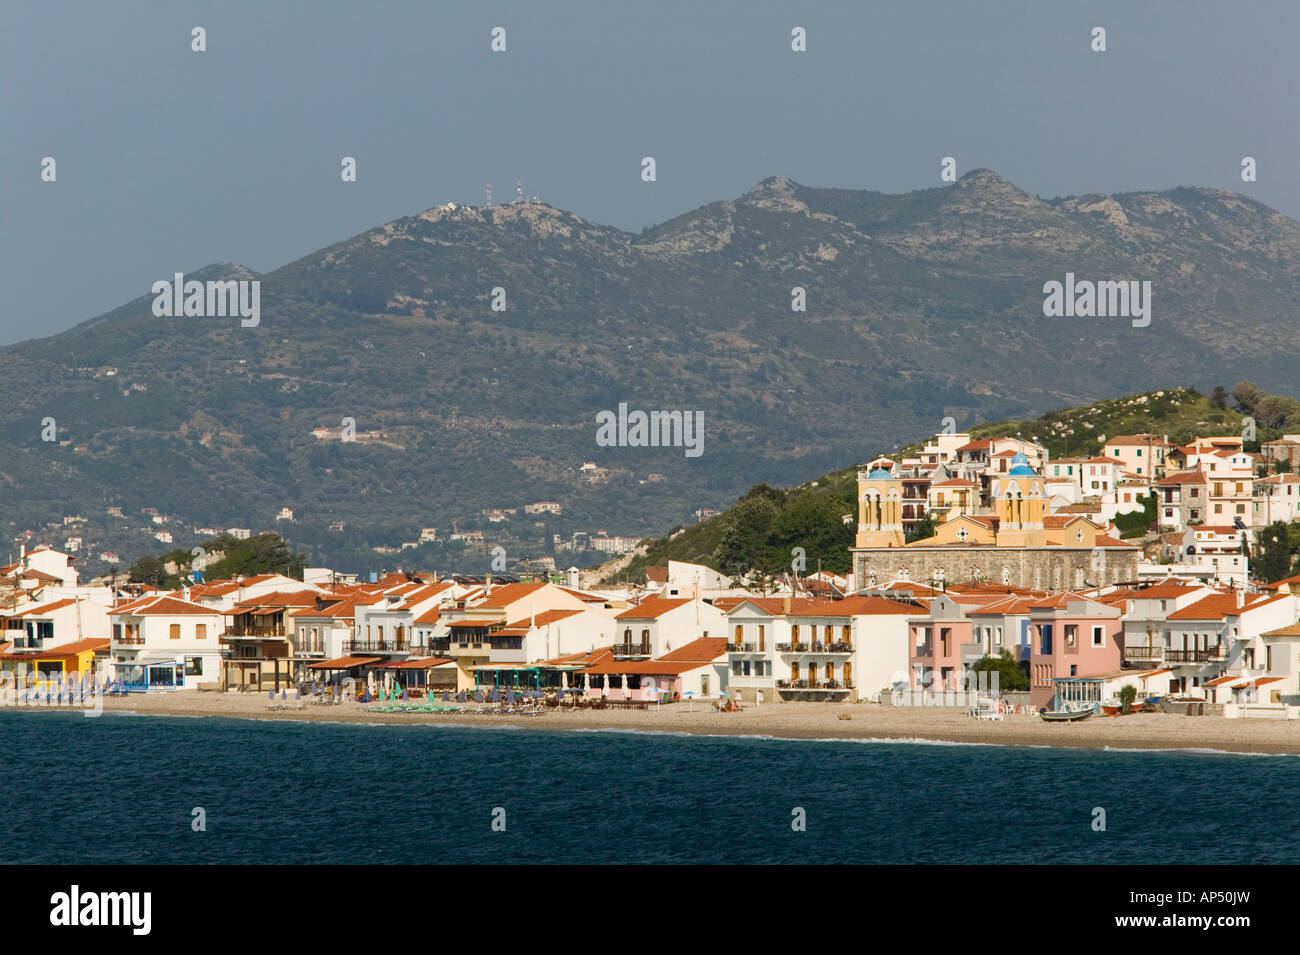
(162, 642)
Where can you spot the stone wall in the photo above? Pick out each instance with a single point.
(1049, 568)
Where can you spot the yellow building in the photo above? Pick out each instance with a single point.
(880, 508)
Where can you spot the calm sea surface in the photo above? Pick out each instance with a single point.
(122, 789)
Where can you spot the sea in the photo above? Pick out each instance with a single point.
(136, 789)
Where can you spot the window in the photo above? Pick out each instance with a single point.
(997, 640)
(762, 638)
(1045, 638)
(740, 634)
(175, 633)
(1071, 632)
(200, 631)
(194, 666)
(1098, 636)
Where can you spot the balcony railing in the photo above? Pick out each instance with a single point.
(792, 648)
(254, 630)
(631, 649)
(1194, 656)
(742, 648)
(374, 646)
(829, 685)
(133, 639)
(1145, 652)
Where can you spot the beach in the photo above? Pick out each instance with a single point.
(1156, 731)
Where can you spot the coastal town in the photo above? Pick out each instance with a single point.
(1021, 596)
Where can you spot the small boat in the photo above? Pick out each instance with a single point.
(1066, 716)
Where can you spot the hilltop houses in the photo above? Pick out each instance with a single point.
(1012, 541)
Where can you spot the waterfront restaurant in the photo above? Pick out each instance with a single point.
(421, 674)
(699, 668)
(343, 668)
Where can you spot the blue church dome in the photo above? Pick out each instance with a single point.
(1020, 467)
(880, 474)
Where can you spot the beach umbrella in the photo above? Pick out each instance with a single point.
(690, 699)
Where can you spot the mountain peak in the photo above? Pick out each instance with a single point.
(983, 179)
(773, 187)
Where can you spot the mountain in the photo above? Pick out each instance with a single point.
(920, 306)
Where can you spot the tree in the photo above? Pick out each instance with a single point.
(1219, 397)
(922, 529)
(1127, 694)
(147, 570)
(1009, 675)
(744, 542)
(1274, 560)
(1137, 523)
(1246, 393)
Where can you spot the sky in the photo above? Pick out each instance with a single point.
(167, 159)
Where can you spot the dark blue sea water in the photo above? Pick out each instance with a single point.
(122, 788)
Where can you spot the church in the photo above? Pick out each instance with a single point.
(1013, 541)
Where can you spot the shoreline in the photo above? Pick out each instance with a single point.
(866, 722)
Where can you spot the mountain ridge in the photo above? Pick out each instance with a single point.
(920, 306)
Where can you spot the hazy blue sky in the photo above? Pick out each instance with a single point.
(169, 159)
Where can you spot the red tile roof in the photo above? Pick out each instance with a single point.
(703, 650)
(507, 594)
(652, 608)
(164, 605)
(1217, 606)
(543, 618)
(342, 663)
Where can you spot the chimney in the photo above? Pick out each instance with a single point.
(1241, 598)
(785, 603)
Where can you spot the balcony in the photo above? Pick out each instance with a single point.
(792, 648)
(632, 649)
(374, 646)
(824, 685)
(743, 648)
(1195, 656)
(254, 630)
(1150, 654)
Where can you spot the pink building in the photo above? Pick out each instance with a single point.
(1072, 636)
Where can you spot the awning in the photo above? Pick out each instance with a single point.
(1258, 682)
(343, 663)
(417, 663)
